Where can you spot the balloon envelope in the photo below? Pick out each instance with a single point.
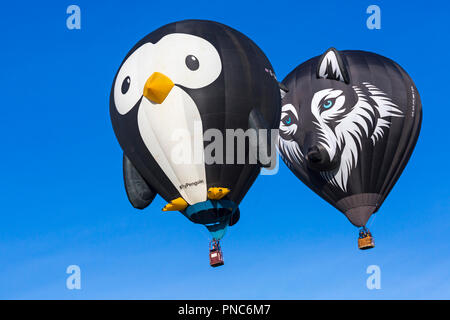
(178, 89)
(348, 126)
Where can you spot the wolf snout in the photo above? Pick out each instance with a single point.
(314, 154)
(318, 158)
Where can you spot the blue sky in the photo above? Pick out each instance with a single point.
(62, 200)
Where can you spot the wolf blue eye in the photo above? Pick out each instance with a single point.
(328, 104)
(288, 121)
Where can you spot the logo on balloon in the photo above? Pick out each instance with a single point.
(190, 184)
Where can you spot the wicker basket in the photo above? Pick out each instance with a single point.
(366, 243)
(215, 258)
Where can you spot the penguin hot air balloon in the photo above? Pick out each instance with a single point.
(348, 126)
(179, 91)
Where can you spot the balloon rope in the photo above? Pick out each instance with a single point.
(372, 220)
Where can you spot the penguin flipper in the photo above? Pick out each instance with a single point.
(262, 149)
(138, 191)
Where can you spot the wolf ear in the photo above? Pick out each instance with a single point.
(332, 67)
(283, 89)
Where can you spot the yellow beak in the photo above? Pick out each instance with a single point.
(157, 87)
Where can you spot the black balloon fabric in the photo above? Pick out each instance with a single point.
(348, 126)
(185, 78)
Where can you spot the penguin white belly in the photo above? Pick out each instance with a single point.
(173, 133)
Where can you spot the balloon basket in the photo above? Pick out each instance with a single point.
(215, 254)
(365, 240)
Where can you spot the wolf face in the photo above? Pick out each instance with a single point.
(334, 123)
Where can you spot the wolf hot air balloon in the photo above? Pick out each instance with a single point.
(348, 126)
(173, 88)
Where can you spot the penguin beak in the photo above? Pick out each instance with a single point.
(157, 87)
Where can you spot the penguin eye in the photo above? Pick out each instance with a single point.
(192, 62)
(125, 85)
